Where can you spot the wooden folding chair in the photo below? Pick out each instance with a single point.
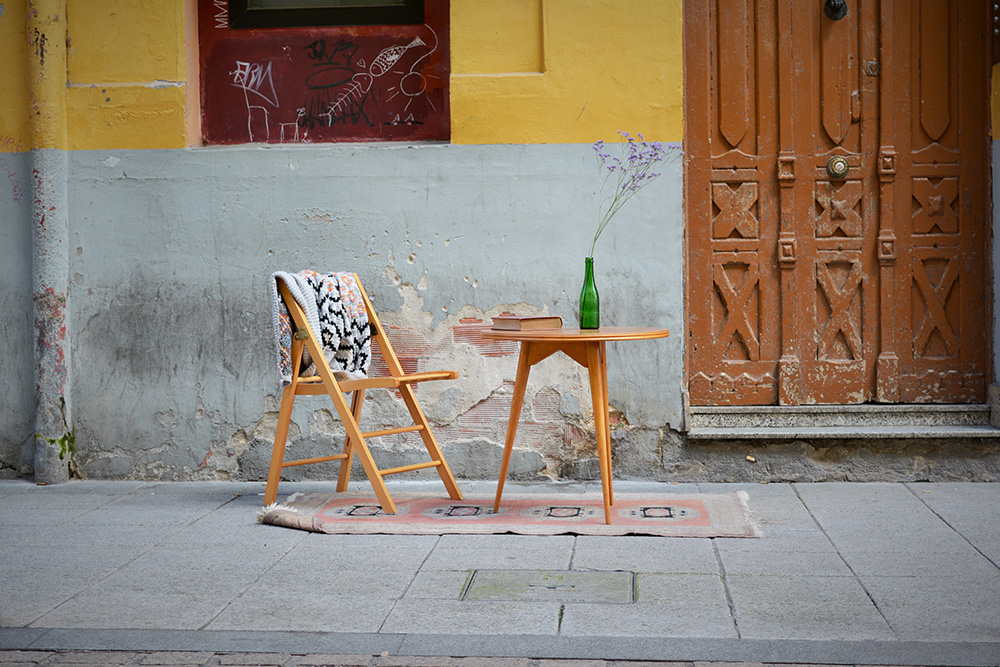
(354, 443)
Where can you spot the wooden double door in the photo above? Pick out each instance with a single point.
(837, 196)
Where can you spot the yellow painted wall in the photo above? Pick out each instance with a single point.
(523, 71)
(127, 74)
(14, 86)
(124, 82)
(606, 66)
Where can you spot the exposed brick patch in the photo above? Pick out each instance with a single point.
(471, 333)
(545, 407)
(572, 436)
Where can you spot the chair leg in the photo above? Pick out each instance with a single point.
(433, 449)
(345, 466)
(357, 442)
(278, 450)
(371, 470)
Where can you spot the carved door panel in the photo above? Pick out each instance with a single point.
(830, 335)
(732, 145)
(836, 237)
(941, 200)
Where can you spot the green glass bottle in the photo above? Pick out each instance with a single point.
(590, 302)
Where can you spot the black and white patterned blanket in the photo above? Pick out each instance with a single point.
(335, 312)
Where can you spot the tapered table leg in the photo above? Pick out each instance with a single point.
(600, 401)
(520, 384)
(603, 365)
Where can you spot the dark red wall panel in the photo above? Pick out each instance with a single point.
(308, 85)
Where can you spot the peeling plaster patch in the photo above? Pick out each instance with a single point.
(166, 418)
(50, 341)
(160, 83)
(389, 273)
(266, 426)
(111, 161)
(323, 422)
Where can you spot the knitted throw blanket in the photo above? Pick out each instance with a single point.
(335, 312)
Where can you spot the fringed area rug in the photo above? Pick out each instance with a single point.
(668, 515)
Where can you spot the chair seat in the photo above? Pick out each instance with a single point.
(313, 384)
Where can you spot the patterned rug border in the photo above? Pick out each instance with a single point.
(700, 515)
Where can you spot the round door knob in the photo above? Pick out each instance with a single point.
(835, 9)
(837, 166)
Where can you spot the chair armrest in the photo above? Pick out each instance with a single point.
(427, 375)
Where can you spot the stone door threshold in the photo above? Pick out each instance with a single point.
(840, 422)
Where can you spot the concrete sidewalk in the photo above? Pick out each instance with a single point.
(892, 574)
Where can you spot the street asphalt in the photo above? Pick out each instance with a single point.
(151, 573)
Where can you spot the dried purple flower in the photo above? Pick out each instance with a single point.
(632, 174)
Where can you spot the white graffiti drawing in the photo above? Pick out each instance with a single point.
(346, 101)
(353, 94)
(254, 78)
(294, 124)
(413, 83)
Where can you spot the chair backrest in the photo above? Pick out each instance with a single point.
(311, 341)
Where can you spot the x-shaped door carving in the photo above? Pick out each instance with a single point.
(935, 201)
(734, 210)
(935, 317)
(736, 300)
(839, 297)
(838, 208)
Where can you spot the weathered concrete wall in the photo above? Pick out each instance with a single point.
(17, 373)
(172, 251)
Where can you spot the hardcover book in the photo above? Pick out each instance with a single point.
(523, 322)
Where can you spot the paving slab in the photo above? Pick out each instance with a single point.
(164, 658)
(304, 612)
(961, 506)
(750, 561)
(966, 564)
(410, 616)
(797, 607)
(649, 620)
(352, 580)
(774, 539)
(645, 554)
(474, 552)
(551, 586)
(97, 658)
(407, 553)
(846, 652)
(341, 660)
(128, 608)
(257, 641)
(940, 608)
(630, 648)
(439, 584)
(19, 637)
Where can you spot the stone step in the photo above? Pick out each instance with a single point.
(840, 421)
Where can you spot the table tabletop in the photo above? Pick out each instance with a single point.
(577, 335)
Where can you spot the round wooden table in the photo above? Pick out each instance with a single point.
(587, 348)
